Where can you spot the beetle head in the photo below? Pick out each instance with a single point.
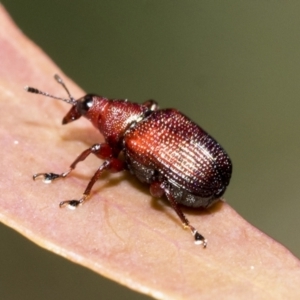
(79, 108)
(110, 117)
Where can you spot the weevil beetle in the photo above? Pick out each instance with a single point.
(161, 147)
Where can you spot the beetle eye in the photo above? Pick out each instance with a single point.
(85, 104)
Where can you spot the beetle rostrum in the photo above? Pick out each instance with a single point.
(161, 147)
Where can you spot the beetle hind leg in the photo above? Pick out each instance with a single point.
(158, 190)
(151, 104)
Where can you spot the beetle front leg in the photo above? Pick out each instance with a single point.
(157, 190)
(102, 151)
(112, 164)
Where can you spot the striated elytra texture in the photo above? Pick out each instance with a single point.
(169, 145)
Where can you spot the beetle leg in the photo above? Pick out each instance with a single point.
(151, 104)
(112, 164)
(103, 151)
(199, 239)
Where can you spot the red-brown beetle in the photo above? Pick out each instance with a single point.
(161, 147)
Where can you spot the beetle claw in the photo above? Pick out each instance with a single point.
(72, 204)
(199, 239)
(47, 177)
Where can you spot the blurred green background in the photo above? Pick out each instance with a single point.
(232, 66)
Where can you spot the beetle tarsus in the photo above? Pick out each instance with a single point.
(200, 240)
(72, 204)
(47, 177)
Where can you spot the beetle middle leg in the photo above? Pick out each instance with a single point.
(112, 164)
(158, 190)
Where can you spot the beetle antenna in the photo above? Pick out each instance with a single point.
(71, 99)
(60, 81)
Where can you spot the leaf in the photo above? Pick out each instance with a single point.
(121, 233)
